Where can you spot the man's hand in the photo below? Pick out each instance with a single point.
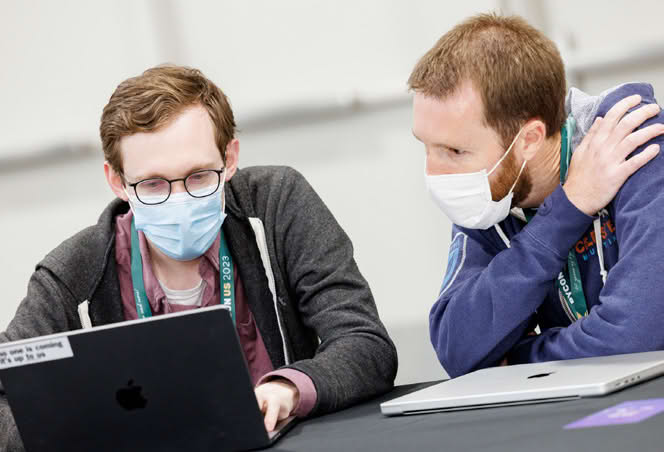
(599, 165)
(276, 399)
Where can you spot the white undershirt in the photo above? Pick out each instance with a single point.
(187, 297)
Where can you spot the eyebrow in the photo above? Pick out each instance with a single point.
(442, 145)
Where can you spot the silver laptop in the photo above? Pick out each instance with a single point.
(171, 382)
(531, 383)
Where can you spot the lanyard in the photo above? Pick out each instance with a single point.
(569, 283)
(226, 281)
(569, 279)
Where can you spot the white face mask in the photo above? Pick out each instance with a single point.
(466, 198)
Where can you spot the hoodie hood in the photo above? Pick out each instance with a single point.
(585, 108)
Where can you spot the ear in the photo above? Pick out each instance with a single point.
(232, 157)
(115, 181)
(531, 139)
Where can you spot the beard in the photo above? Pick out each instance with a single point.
(508, 172)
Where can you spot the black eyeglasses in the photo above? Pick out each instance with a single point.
(157, 190)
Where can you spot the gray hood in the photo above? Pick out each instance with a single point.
(584, 107)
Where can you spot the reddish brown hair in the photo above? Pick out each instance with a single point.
(151, 100)
(517, 71)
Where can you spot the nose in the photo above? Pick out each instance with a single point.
(432, 167)
(177, 186)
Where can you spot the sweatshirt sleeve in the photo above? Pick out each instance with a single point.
(10, 440)
(45, 310)
(628, 317)
(356, 359)
(488, 296)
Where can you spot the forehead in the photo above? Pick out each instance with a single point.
(454, 120)
(186, 142)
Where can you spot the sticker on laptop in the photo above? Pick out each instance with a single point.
(624, 413)
(33, 352)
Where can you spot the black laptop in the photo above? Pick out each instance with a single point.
(172, 382)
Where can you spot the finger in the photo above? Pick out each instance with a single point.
(632, 165)
(603, 129)
(619, 109)
(261, 401)
(271, 415)
(634, 119)
(638, 138)
(587, 139)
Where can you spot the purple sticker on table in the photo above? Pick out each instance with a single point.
(624, 413)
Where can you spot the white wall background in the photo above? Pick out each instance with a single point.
(62, 60)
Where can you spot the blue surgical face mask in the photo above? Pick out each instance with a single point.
(183, 227)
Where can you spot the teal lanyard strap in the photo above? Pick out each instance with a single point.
(226, 276)
(226, 280)
(569, 281)
(140, 297)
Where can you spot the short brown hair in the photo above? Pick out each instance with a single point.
(516, 69)
(151, 100)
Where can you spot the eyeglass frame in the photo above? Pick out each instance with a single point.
(170, 185)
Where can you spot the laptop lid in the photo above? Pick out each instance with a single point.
(531, 383)
(172, 382)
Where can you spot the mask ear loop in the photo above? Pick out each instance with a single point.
(131, 204)
(518, 175)
(506, 152)
(124, 189)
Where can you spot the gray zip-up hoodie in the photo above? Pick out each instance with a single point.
(314, 310)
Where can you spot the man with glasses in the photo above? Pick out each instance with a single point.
(190, 229)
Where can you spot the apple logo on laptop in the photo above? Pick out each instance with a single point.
(130, 397)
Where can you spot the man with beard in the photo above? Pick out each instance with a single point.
(554, 196)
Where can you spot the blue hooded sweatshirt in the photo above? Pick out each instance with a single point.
(493, 296)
